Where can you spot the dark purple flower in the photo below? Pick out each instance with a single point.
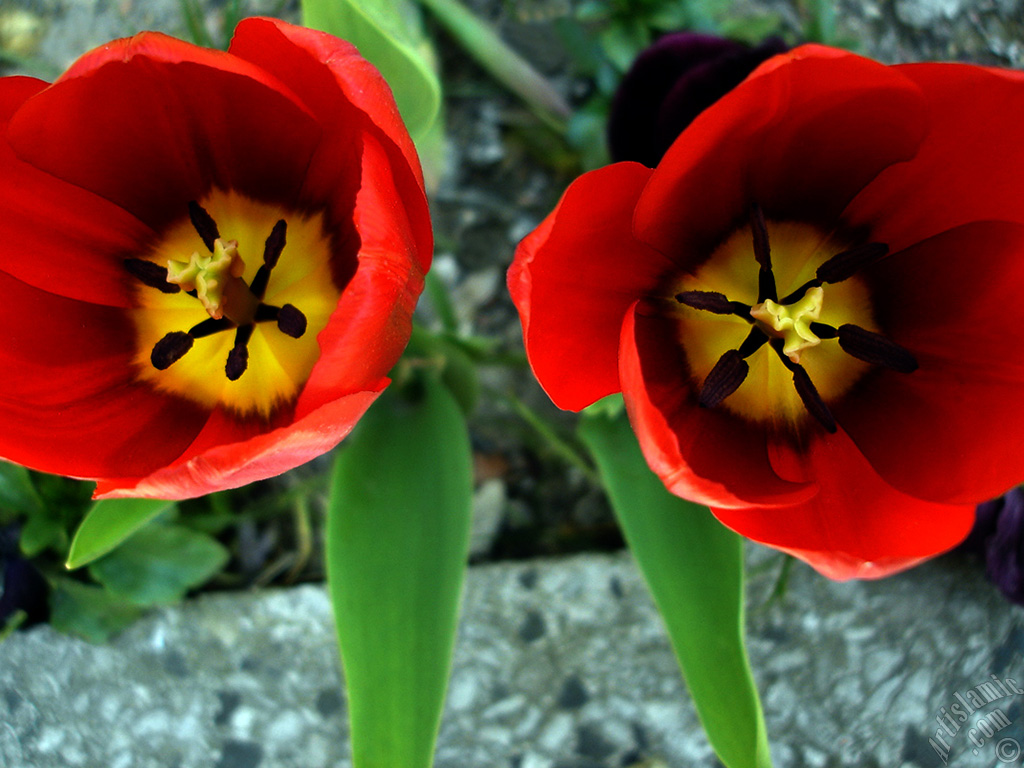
(998, 536)
(671, 83)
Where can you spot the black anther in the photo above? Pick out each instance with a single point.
(712, 301)
(806, 390)
(875, 349)
(150, 274)
(812, 400)
(291, 322)
(204, 224)
(271, 253)
(848, 263)
(170, 349)
(763, 254)
(724, 379)
(238, 357)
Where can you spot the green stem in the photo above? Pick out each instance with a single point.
(560, 447)
(505, 65)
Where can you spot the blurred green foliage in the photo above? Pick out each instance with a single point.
(604, 37)
(155, 565)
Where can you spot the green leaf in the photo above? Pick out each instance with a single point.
(751, 29)
(694, 568)
(480, 40)
(42, 530)
(820, 21)
(458, 371)
(397, 546)
(587, 132)
(88, 612)
(107, 524)
(623, 42)
(159, 564)
(18, 495)
(389, 34)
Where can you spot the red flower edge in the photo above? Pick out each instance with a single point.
(825, 137)
(99, 164)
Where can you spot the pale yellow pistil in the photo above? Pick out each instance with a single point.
(217, 281)
(791, 322)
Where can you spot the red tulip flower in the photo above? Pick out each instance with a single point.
(208, 260)
(810, 305)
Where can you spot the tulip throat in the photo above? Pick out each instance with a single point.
(229, 303)
(782, 360)
(217, 282)
(791, 322)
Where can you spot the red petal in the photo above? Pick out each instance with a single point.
(857, 526)
(953, 430)
(77, 241)
(331, 78)
(151, 122)
(800, 137)
(235, 464)
(573, 279)
(68, 401)
(369, 330)
(969, 166)
(704, 455)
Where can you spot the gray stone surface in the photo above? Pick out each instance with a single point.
(559, 664)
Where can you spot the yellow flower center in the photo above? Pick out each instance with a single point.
(229, 303)
(762, 357)
(791, 322)
(217, 281)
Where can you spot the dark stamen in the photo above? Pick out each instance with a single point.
(209, 326)
(762, 249)
(238, 357)
(150, 274)
(823, 331)
(812, 400)
(799, 292)
(275, 244)
(271, 253)
(724, 379)
(291, 321)
(754, 341)
(848, 263)
(712, 301)
(266, 312)
(170, 349)
(808, 392)
(875, 349)
(203, 223)
(763, 254)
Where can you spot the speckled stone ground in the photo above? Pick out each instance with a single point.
(559, 664)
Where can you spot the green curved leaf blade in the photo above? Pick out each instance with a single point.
(480, 40)
(107, 524)
(693, 566)
(397, 546)
(17, 493)
(89, 612)
(158, 564)
(388, 33)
